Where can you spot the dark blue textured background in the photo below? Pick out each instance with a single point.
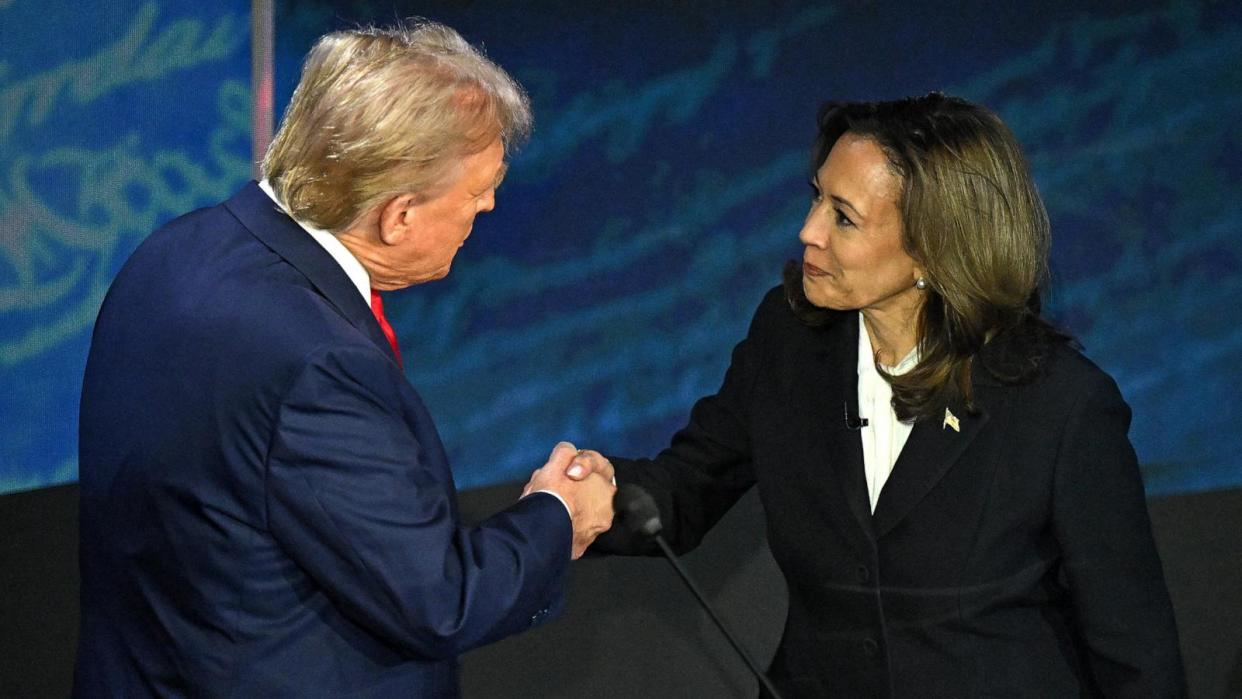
(662, 189)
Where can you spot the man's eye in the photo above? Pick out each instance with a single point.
(842, 219)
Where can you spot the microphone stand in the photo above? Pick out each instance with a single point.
(685, 576)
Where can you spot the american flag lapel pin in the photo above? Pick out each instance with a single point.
(950, 420)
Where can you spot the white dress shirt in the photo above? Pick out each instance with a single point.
(884, 435)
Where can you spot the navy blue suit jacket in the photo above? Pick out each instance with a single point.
(266, 506)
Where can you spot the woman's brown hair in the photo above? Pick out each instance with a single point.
(974, 222)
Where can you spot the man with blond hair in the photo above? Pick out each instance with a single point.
(266, 506)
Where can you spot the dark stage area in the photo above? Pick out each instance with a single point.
(632, 629)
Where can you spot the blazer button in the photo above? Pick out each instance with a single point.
(864, 574)
(871, 648)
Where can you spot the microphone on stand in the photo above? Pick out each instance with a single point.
(637, 512)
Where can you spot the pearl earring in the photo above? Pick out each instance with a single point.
(921, 284)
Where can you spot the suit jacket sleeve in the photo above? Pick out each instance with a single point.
(1116, 583)
(353, 500)
(707, 467)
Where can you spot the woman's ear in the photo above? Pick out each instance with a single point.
(920, 280)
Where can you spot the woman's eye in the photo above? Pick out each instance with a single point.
(842, 219)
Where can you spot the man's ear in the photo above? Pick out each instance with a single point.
(396, 219)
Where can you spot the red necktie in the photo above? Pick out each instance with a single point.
(377, 307)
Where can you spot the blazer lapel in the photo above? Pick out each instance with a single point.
(275, 229)
(932, 449)
(834, 392)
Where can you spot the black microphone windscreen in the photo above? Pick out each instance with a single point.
(637, 510)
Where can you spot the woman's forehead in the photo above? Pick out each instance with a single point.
(857, 167)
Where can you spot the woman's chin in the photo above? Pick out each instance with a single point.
(819, 299)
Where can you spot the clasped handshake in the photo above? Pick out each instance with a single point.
(584, 481)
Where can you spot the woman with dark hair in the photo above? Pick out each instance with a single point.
(948, 485)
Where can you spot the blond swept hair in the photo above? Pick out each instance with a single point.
(381, 112)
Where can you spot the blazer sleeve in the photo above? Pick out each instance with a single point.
(1116, 583)
(354, 502)
(707, 467)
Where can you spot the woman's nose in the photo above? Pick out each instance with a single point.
(814, 232)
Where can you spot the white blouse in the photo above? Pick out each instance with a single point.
(884, 435)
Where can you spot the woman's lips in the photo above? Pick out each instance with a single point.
(811, 270)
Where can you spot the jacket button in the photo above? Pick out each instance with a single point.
(864, 573)
(870, 647)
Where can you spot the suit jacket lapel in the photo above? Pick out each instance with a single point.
(273, 227)
(834, 391)
(929, 453)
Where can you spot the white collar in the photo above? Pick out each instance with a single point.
(353, 268)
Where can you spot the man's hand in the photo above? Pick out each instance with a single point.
(589, 498)
(587, 462)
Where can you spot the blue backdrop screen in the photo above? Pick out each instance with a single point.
(661, 192)
(114, 117)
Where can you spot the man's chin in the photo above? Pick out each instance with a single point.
(436, 275)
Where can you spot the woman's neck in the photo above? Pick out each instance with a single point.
(892, 332)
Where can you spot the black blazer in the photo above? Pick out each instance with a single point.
(1011, 559)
